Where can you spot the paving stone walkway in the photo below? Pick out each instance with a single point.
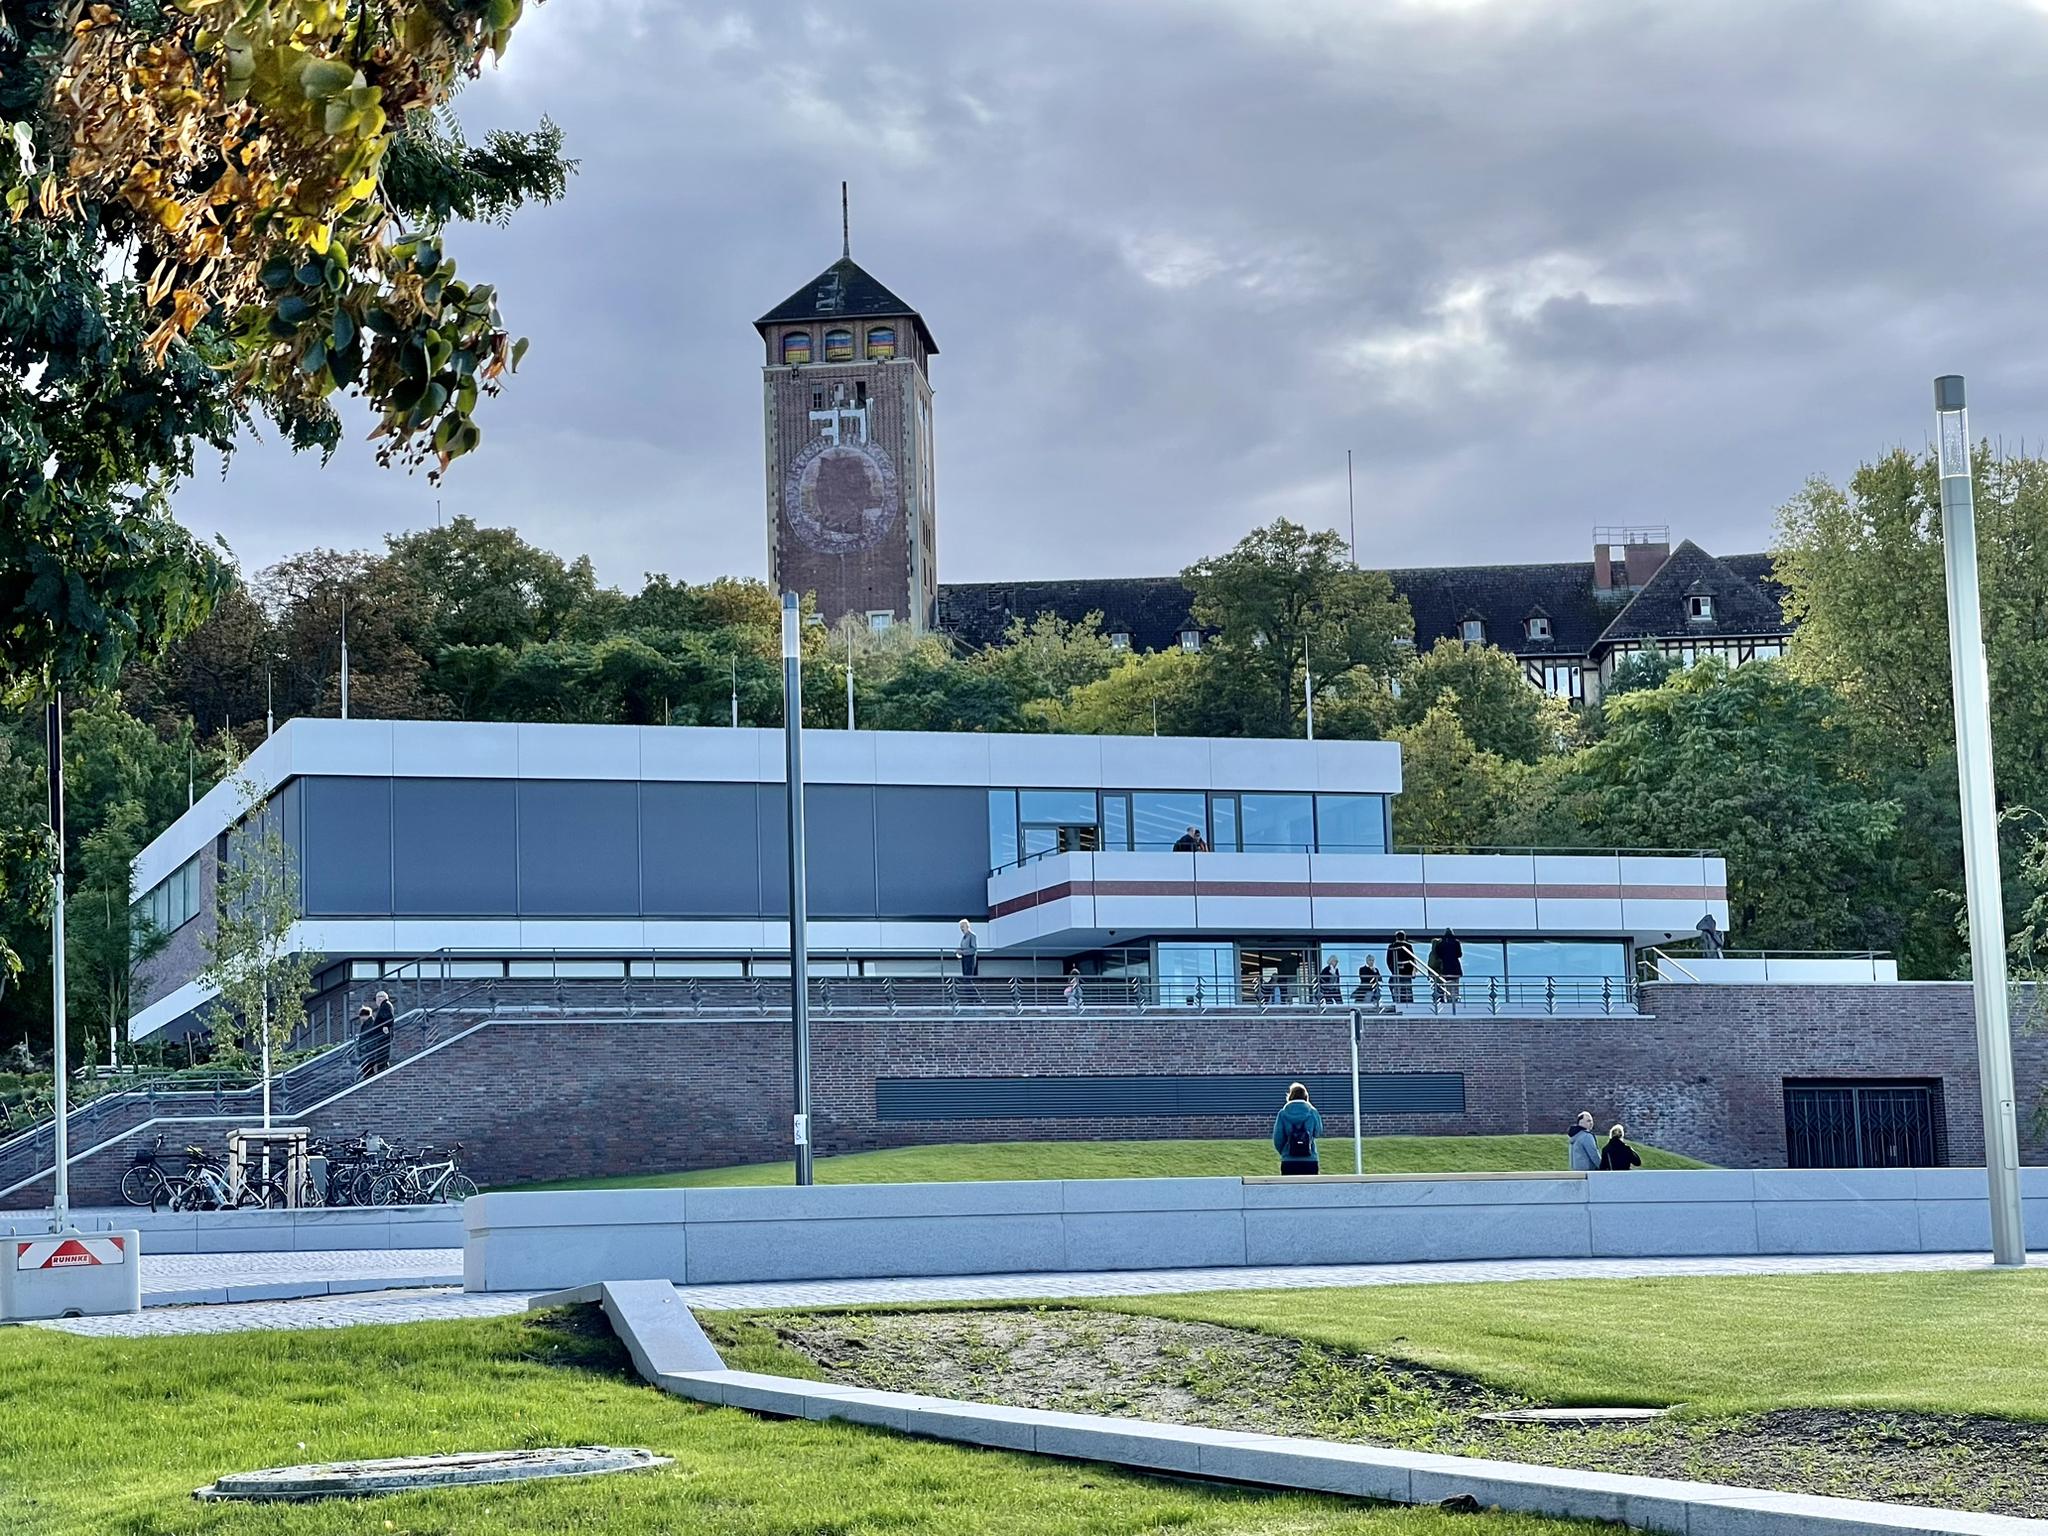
(184, 1279)
(344, 1309)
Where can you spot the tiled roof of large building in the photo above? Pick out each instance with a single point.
(1741, 605)
(843, 291)
(1154, 610)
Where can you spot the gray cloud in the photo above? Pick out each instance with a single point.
(1542, 265)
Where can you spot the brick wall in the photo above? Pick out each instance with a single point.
(539, 1099)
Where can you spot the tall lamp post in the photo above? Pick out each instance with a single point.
(799, 958)
(60, 1179)
(1980, 820)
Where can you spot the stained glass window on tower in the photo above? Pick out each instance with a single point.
(796, 347)
(839, 346)
(881, 342)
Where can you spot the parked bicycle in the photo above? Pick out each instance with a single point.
(204, 1186)
(424, 1180)
(145, 1182)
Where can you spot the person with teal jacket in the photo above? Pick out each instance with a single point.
(1295, 1130)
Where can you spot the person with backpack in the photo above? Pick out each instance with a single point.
(1295, 1130)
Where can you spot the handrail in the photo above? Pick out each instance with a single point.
(1406, 850)
(1667, 960)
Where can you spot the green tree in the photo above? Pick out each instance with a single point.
(930, 692)
(1284, 600)
(1756, 765)
(1452, 790)
(1484, 687)
(486, 586)
(1049, 657)
(251, 962)
(1159, 693)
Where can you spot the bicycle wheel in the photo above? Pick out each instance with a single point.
(362, 1188)
(387, 1190)
(460, 1186)
(141, 1185)
(309, 1192)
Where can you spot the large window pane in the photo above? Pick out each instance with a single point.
(1116, 823)
(1058, 807)
(1223, 823)
(1567, 957)
(1278, 823)
(1190, 973)
(1351, 824)
(1160, 820)
(1002, 828)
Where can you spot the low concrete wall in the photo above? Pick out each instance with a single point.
(709, 1236)
(258, 1231)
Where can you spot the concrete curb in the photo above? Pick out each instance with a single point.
(671, 1350)
(294, 1290)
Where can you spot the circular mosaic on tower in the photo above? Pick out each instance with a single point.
(840, 497)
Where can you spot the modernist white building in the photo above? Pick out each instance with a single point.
(624, 851)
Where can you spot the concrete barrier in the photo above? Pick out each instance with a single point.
(315, 1230)
(546, 1241)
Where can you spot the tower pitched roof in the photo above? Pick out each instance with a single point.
(844, 291)
(1743, 605)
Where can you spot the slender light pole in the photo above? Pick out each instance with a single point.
(344, 658)
(735, 691)
(799, 957)
(1357, 1115)
(60, 1183)
(1972, 689)
(849, 676)
(1351, 500)
(1308, 686)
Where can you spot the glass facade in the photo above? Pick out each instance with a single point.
(173, 901)
(1032, 823)
(1191, 973)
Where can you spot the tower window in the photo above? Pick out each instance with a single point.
(817, 399)
(839, 346)
(1538, 627)
(796, 347)
(1700, 609)
(880, 619)
(860, 392)
(1120, 640)
(881, 342)
(1472, 631)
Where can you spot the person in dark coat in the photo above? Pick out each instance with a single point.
(376, 1035)
(1401, 967)
(1367, 993)
(1295, 1130)
(1330, 983)
(1447, 959)
(1618, 1156)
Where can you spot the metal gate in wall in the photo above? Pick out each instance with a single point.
(1864, 1124)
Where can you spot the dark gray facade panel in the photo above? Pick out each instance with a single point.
(931, 849)
(839, 837)
(344, 846)
(698, 850)
(579, 848)
(1156, 1095)
(456, 847)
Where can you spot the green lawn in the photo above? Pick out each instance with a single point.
(110, 1437)
(1128, 1160)
(1968, 1342)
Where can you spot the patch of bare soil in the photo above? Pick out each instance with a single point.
(1198, 1373)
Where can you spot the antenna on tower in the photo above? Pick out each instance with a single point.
(845, 227)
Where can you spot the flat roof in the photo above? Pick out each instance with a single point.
(454, 749)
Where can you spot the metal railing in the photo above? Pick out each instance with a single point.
(1407, 850)
(1653, 959)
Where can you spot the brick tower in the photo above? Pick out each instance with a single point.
(848, 405)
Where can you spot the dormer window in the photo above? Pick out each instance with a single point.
(1536, 627)
(796, 348)
(1472, 631)
(839, 346)
(881, 343)
(1699, 609)
(1120, 640)
(1191, 639)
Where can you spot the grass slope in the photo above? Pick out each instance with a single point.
(110, 1437)
(1970, 1342)
(1128, 1160)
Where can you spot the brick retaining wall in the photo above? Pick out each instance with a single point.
(1704, 1075)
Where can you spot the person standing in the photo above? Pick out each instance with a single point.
(1712, 939)
(1330, 982)
(1295, 1130)
(1368, 990)
(1618, 1156)
(1075, 999)
(969, 951)
(1583, 1150)
(1189, 841)
(1447, 959)
(1401, 967)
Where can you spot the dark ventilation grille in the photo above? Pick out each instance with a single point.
(1150, 1096)
(1864, 1124)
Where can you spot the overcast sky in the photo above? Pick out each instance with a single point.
(1541, 265)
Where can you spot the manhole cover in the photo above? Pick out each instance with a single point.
(1573, 1415)
(402, 1474)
